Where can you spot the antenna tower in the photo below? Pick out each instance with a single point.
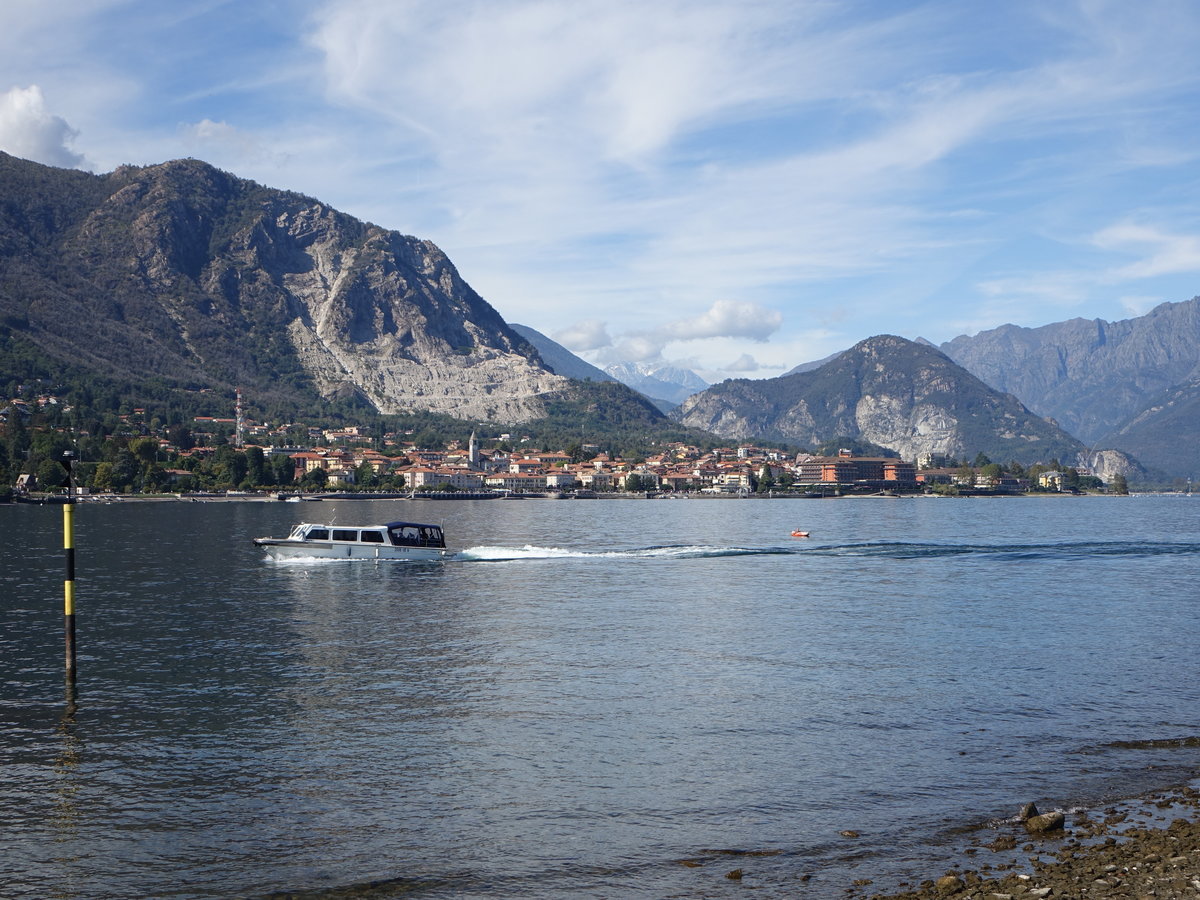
(241, 424)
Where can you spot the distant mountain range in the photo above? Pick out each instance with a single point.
(658, 381)
(664, 385)
(559, 359)
(1131, 385)
(180, 277)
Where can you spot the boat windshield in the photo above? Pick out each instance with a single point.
(298, 531)
(404, 534)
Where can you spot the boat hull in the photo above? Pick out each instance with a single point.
(283, 549)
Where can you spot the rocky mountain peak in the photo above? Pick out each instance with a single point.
(896, 393)
(191, 274)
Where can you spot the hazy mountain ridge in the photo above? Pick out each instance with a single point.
(1166, 434)
(893, 392)
(658, 381)
(1088, 374)
(1121, 385)
(560, 360)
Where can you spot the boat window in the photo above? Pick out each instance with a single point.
(345, 534)
(373, 537)
(431, 536)
(318, 534)
(407, 535)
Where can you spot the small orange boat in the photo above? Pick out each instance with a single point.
(799, 533)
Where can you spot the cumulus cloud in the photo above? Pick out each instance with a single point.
(581, 337)
(744, 363)
(220, 141)
(639, 348)
(29, 130)
(726, 318)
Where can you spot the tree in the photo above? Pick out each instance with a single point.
(124, 471)
(283, 470)
(102, 478)
(365, 476)
(765, 481)
(145, 449)
(229, 467)
(315, 478)
(1119, 484)
(51, 474)
(256, 467)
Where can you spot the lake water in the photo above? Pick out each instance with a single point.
(598, 699)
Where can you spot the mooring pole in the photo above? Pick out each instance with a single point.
(68, 460)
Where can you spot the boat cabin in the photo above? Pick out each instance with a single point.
(397, 534)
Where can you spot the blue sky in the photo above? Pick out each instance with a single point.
(737, 187)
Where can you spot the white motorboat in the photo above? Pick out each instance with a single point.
(394, 540)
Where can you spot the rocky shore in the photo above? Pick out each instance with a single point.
(1148, 850)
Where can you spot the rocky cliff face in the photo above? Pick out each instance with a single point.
(185, 273)
(1091, 376)
(889, 391)
(1165, 435)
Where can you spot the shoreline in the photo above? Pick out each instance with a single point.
(58, 499)
(1144, 847)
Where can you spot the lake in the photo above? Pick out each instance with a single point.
(595, 699)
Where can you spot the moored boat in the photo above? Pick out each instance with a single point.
(394, 540)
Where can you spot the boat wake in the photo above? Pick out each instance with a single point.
(899, 550)
(1064, 550)
(870, 550)
(686, 551)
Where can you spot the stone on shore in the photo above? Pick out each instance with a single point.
(949, 884)
(1051, 821)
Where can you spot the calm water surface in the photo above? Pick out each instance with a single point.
(592, 693)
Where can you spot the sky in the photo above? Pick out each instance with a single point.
(731, 186)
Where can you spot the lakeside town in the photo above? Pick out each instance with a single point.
(242, 456)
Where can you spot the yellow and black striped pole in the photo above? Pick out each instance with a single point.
(68, 460)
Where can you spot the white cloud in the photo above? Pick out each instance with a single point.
(609, 78)
(1139, 306)
(581, 337)
(726, 318)
(224, 144)
(1170, 254)
(638, 348)
(29, 130)
(744, 363)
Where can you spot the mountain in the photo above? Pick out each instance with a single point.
(187, 276)
(1165, 436)
(559, 359)
(659, 381)
(810, 366)
(1127, 385)
(1090, 375)
(899, 394)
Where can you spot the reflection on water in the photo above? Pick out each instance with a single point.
(592, 699)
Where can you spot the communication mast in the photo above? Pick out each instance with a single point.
(241, 424)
